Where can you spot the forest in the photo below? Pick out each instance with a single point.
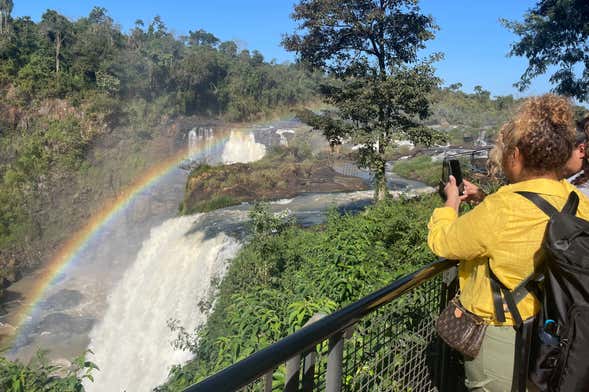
(74, 92)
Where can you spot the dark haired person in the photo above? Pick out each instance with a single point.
(505, 230)
(574, 166)
(578, 164)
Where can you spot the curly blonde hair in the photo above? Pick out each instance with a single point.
(543, 130)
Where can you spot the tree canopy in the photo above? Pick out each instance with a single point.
(555, 34)
(378, 85)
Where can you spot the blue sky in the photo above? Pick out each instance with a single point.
(472, 39)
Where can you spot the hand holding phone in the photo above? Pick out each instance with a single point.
(451, 167)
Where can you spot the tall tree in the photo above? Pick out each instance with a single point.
(555, 33)
(59, 31)
(378, 84)
(201, 38)
(97, 46)
(5, 10)
(162, 50)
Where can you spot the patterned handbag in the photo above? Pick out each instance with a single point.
(461, 329)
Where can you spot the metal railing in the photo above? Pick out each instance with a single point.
(386, 341)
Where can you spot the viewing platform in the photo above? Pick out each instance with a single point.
(385, 341)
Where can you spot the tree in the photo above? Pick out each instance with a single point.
(377, 82)
(162, 50)
(59, 32)
(202, 38)
(5, 10)
(97, 46)
(229, 48)
(455, 86)
(555, 33)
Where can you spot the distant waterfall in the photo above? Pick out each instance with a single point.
(242, 147)
(192, 142)
(283, 139)
(201, 144)
(481, 139)
(172, 272)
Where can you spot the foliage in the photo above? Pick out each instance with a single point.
(69, 87)
(378, 86)
(198, 74)
(470, 111)
(554, 34)
(285, 274)
(39, 375)
(421, 168)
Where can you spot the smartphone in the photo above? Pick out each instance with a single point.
(450, 167)
(455, 171)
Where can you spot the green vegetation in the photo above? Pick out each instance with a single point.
(285, 274)
(378, 85)
(462, 114)
(211, 204)
(40, 376)
(421, 168)
(84, 104)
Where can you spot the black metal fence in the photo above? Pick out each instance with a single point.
(383, 342)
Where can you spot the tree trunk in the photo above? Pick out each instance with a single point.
(57, 50)
(380, 180)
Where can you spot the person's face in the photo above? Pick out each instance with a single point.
(575, 162)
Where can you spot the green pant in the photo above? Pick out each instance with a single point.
(492, 369)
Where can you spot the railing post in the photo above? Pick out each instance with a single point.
(293, 366)
(334, 363)
(309, 371)
(268, 381)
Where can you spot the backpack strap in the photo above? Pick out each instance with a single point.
(570, 206)
(540, 202)
(522, 352)
(502, 294)
(499, 288)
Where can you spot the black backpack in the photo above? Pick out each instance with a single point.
(555, 343)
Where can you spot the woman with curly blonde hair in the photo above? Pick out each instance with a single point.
(503, 234)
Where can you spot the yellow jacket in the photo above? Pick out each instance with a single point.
(507, 230)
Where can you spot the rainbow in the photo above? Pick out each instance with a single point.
(70, 252)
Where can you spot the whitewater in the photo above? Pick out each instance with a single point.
(173, 271)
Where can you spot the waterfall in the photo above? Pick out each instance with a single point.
(171, 274)
(481, 139)
(201, 145)
(242, 147)
(192, 142)
(283, 139)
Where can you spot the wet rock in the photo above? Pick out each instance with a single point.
(64, 324)
(62, 300)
